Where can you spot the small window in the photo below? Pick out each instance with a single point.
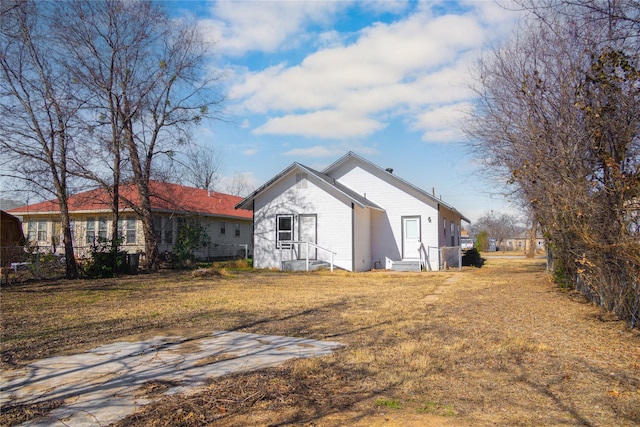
(168, 230)
(127, 230)
(180, 224)
(42, 231)
(284, 231)
(223, 227)
(91, 230)
(157, 228)
(55, 233)
(237, 230)
(32, 226)
(301, 180)
(102, 229)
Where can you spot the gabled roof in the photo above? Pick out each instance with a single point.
(165, 197)
(391, 178)
(323, 178)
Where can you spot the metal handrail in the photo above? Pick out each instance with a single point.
(424, 261)
(290, 243)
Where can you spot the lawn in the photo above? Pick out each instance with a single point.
(500, 345)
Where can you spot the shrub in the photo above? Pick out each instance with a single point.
(191, 237)
(482, 241)
(106, 261)
(472, 258)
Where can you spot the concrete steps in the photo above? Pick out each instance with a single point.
(406, 266)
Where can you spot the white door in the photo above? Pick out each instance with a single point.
(410, 237)
(307, 233)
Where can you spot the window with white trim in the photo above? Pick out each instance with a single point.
(168, 230)
(127, 230)
(42, 230)
(37, 230)
(163, 227)
(452, 233)
(284, 228)
(91, 230)
(55, 232)
(96, 230)
(102, 229)
(32, 226)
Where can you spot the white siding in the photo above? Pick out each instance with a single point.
(386, 227)
(227, 244)
(362, 239)
(333, 220)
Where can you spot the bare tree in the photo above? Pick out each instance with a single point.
(145, 74)
(558, 117)
(37, 126)
(498, 225)
(201, 167)
(239, 186)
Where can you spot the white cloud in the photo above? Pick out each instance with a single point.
(330, 151)
(315, 151)
(390, 6)
(494, 13)
(444, 117)
(323, 124)
(243, 26)
(249, 151)
(410, 67)
(334, 92)
(442, 124)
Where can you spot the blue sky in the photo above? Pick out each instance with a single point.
(308, 81)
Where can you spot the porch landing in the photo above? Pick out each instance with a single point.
(406, 266)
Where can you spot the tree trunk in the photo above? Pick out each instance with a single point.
(71, 266)
(142, 183)
(533, 232)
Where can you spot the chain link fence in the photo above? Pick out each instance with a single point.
(22, 263)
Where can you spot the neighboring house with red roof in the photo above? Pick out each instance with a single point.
(229, 229)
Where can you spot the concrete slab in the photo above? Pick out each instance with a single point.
(105, 384)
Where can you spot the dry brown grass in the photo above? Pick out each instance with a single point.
(493, 346)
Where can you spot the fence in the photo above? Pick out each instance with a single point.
(20, 263)
(23, 263)
(450, 257)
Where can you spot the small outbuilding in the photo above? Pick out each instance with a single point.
(11, 240)
(353, 215)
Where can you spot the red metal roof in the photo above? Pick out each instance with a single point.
(165, 197)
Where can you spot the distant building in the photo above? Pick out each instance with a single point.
(522, 242)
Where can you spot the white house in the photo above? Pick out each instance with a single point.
(360, 214)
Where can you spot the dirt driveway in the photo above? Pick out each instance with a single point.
(500, 345)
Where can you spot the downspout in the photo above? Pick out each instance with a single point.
(353, 237)
(253, 234)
